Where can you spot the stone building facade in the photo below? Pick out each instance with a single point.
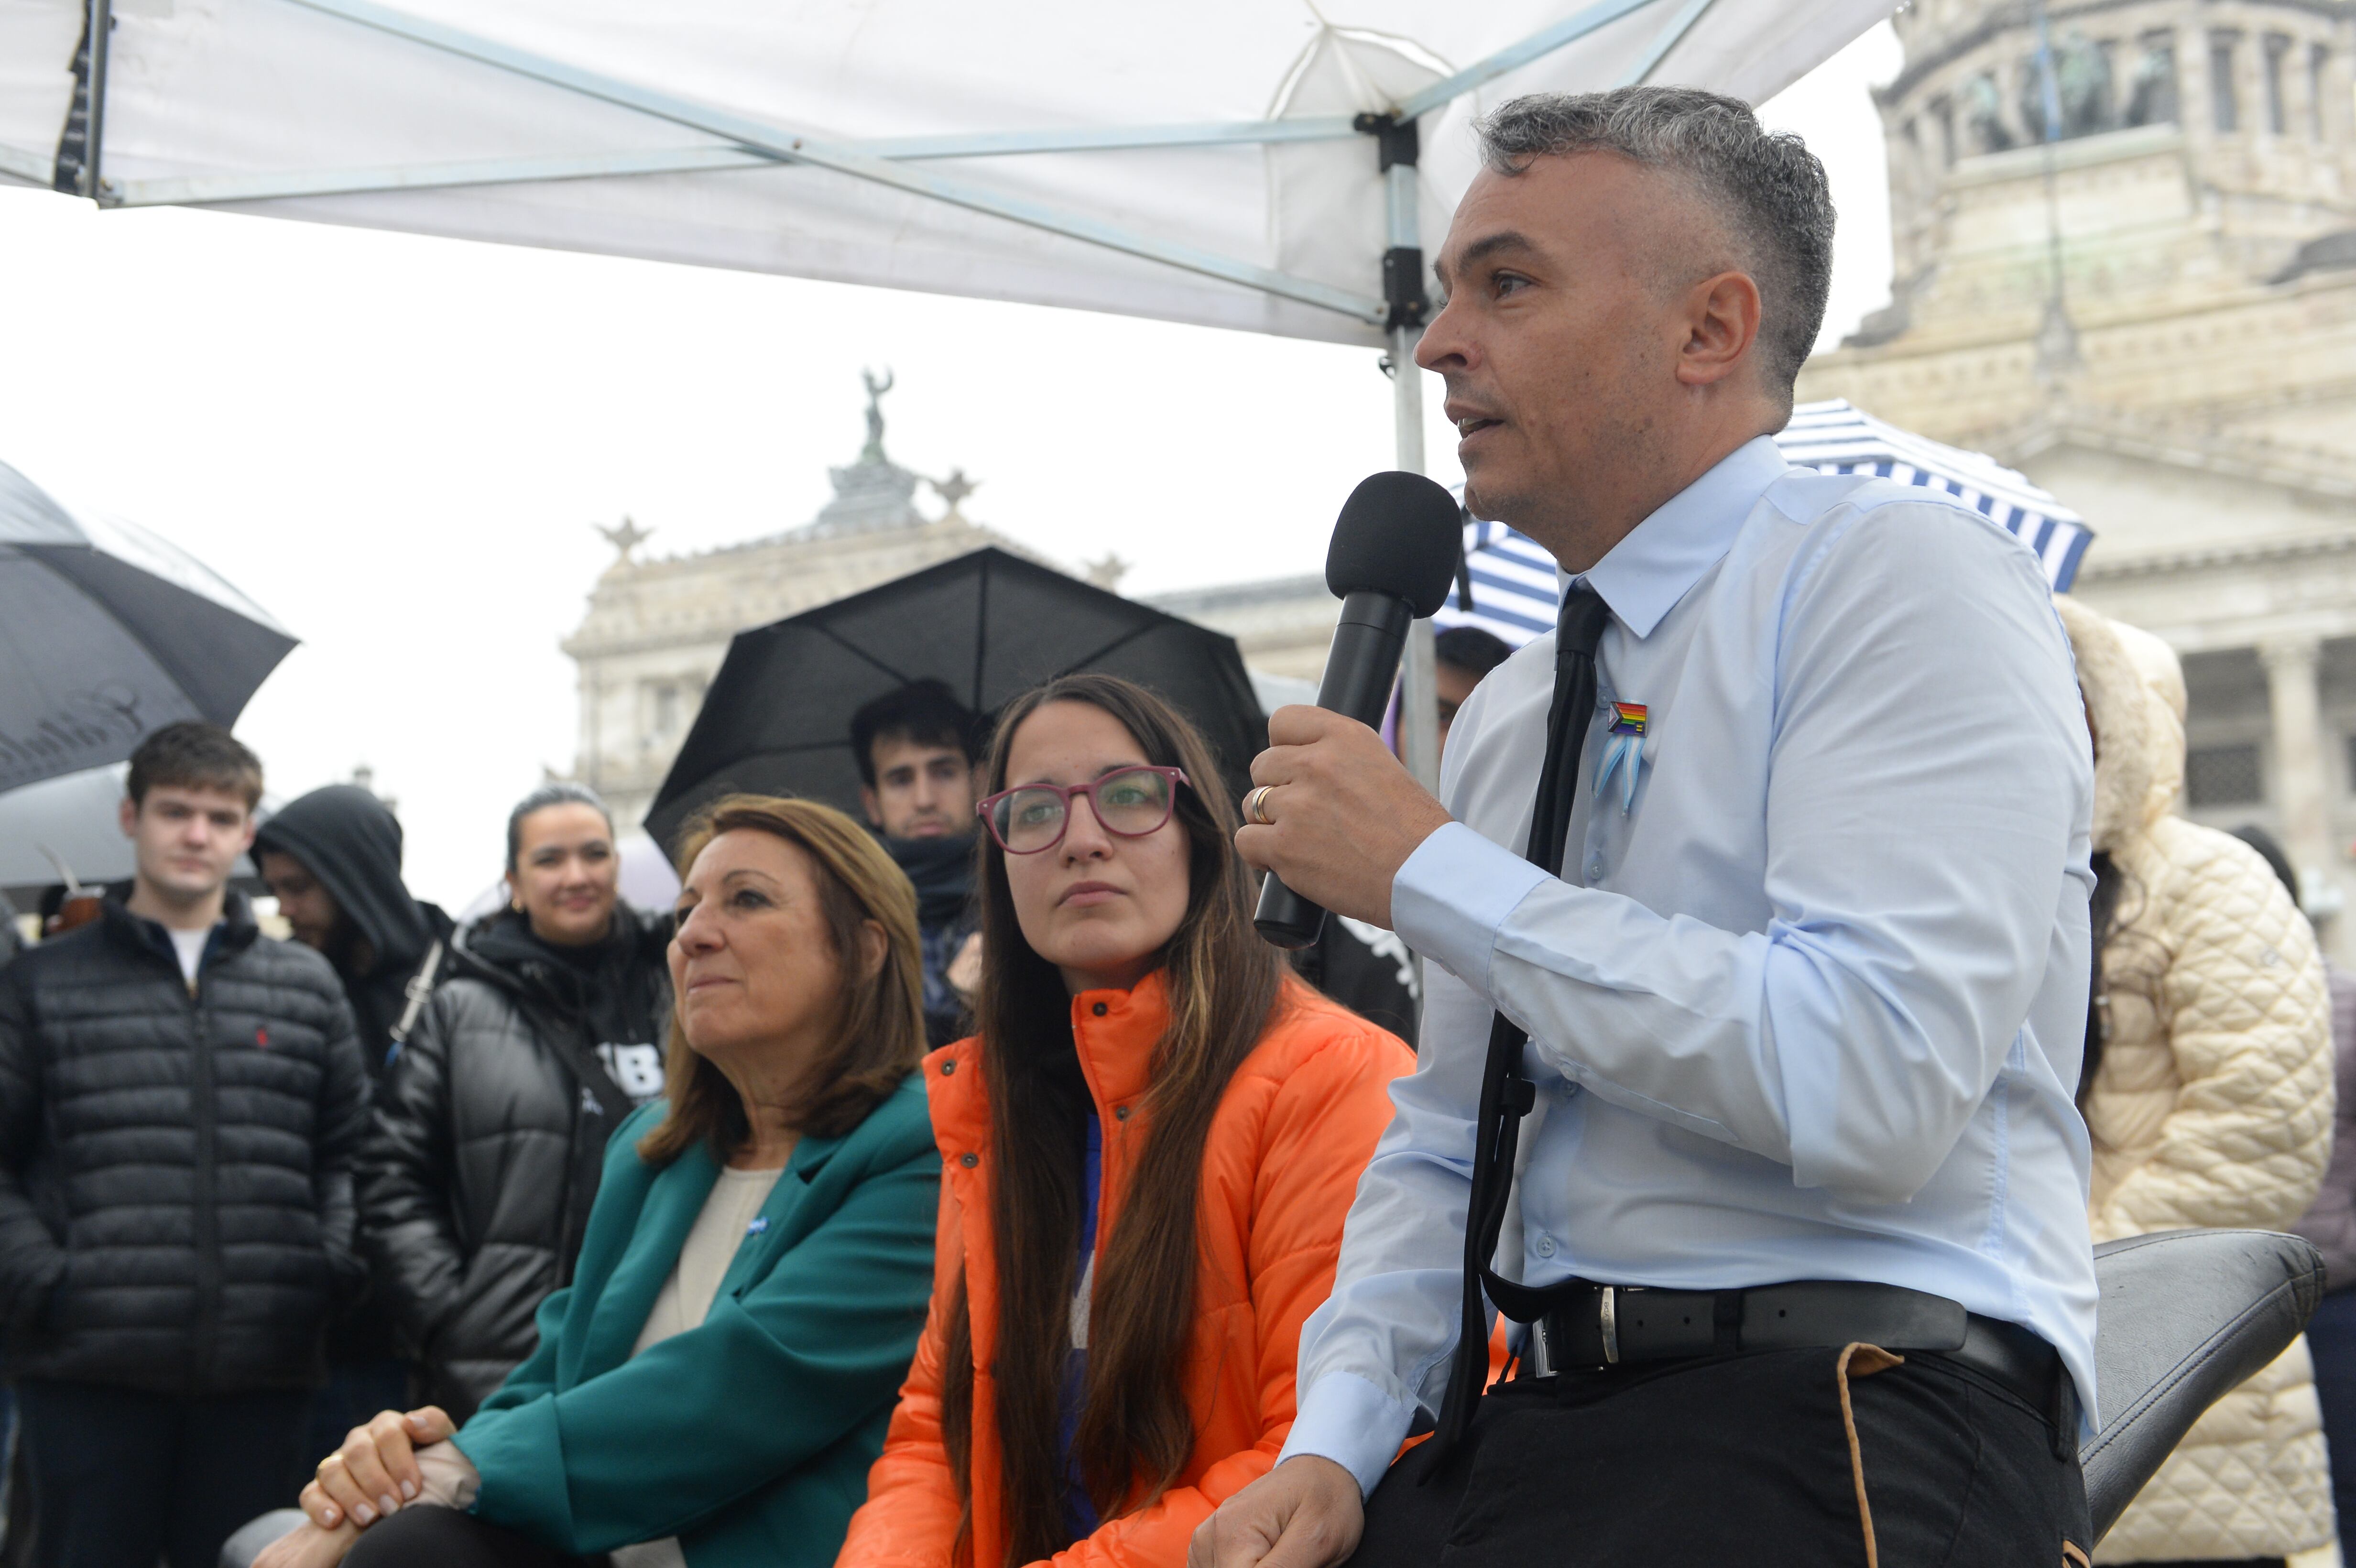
(656, 628)
(2153, 314)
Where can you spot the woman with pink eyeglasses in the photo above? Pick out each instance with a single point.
(1147, 1150)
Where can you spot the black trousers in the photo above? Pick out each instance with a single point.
(444, 1538)
(1796, 1458)
(121, 1480)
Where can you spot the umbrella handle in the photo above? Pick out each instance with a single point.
(65, 872)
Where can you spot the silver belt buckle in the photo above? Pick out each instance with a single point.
(1608, 1320)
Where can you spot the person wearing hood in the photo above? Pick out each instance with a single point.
(2206, 1091)
(332, 858)
(915, 747)
(491, 1124)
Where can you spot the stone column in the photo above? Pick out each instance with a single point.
(2299, 794)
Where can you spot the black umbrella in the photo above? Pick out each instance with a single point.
(106, 632)
(992, 626)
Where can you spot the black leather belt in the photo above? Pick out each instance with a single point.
(1590, 1324)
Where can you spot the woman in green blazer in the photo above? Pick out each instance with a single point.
(714, 1383)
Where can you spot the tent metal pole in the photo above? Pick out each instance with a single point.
(101, 31)
(1418, 673)
(1681, 23)
(1537, 46)
(196, 190)
(793, 146)
(1403, 282)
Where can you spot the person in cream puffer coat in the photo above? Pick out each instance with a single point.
(2209, 1096)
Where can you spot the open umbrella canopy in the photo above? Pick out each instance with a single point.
(107, 633)
(777, 719)
(1836, 437)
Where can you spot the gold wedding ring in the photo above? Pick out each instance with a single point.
(1256, 807)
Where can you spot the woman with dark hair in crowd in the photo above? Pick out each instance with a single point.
(1150, 1148)
(711, 1388)
(491, 1122)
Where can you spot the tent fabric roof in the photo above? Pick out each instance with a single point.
(274, 106)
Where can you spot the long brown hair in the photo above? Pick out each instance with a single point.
(878, 1032)
(1135, 1428)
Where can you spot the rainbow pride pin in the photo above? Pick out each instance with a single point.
(1627, 746)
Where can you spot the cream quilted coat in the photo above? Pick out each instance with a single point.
(2213, 1104)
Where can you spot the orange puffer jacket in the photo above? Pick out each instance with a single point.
(1297, 1124)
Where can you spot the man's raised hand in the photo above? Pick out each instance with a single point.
(1345, 814)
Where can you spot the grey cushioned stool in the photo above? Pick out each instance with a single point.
(2185, 1316)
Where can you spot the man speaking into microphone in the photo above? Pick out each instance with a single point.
(1761, 887)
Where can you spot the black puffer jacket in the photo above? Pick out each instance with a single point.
(175, 1192)
(489, 1133)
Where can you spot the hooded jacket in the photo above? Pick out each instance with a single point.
(489, 1133)
(176, 1190)
(2213, 1100)
(350, 841)
(1291, 1135)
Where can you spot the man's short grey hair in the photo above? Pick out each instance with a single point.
(1768, 187)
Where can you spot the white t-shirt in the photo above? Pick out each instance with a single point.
(190, 946)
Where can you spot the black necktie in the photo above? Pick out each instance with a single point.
(1505, 1095)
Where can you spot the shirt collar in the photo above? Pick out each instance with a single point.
(1644, 576)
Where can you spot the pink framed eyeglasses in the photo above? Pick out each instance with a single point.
(1129, 802)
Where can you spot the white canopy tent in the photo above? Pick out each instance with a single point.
(1241, 164)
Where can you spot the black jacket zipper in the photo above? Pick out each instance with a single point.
(203, 1110)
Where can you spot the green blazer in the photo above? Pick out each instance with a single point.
(750, 1437)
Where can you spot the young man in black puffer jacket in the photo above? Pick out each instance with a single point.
(181, 1099)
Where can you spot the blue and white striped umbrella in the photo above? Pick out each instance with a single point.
(1514, 580)
(1514, 592)
(1834, 437)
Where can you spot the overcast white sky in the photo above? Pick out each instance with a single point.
(399, 444)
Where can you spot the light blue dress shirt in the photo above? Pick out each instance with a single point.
(1812, 1007)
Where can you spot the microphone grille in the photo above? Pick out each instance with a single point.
(1400, 534)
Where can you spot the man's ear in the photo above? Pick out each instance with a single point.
(1722, 322)
(868, 803)
(129, 816)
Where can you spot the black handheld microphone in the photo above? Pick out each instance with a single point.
(1393, 554)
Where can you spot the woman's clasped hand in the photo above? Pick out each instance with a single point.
(375, 1470)
(372, 1474)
